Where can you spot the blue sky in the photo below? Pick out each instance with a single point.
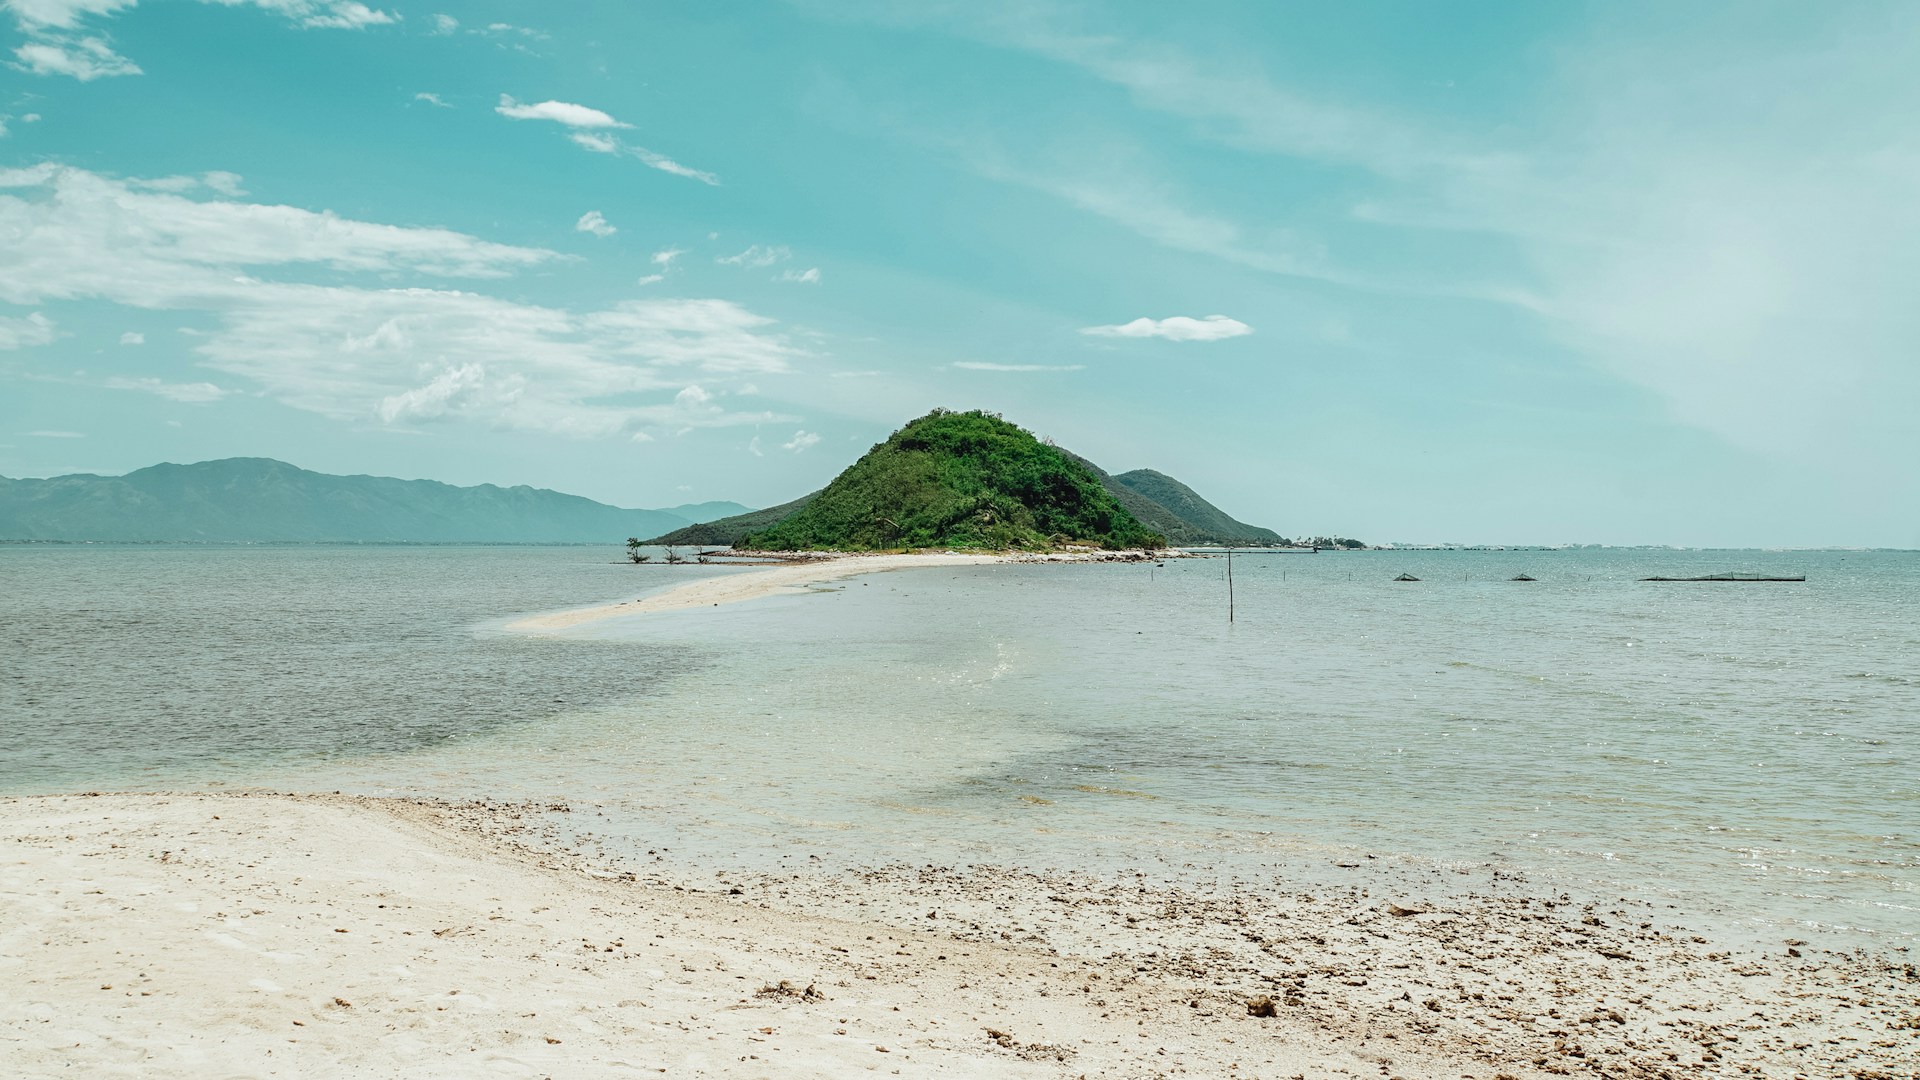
(1411, 272)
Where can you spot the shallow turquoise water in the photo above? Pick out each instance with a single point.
(1750, 748)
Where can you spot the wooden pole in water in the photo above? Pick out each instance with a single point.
(1229, 584)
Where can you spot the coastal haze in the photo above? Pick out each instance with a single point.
(1026, 540)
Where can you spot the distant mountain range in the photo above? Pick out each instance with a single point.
(928, 485)
(263, 500)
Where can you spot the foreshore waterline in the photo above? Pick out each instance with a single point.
(295, 927)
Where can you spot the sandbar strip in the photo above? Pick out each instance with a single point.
(734, 588)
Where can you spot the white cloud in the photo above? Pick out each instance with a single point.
(57, 43)
(665, 256)
(434, 399)
(800, 441)
(403, 355)
(192, 393)
(225, 183)
(756, 257)
(34, 329)
(442, 25)
(591, 129)
(432, 99)
(193, 238)
(1175, 328)
(41, 15)
(651, 279)
(599, 144)
(86, 58)
(55, 434)
(809, 276)
(753, 447)
(348, 15)
(667, 165)
(560, 112)
(496, 28)
(133, 337)
(594, 222)
(982, 365)
(1675, 206)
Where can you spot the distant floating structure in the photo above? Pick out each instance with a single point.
(1522, 577)
(1728, 577)
(1406, 577)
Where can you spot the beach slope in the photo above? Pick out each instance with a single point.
(195, 936)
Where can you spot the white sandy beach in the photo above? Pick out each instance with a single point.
(269, 935)
(197, 936)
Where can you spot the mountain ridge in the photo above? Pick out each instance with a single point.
(265, 500)
(1209, 523)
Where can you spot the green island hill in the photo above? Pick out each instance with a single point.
(973, 480)
(958, 480)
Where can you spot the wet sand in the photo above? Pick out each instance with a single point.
(195, 935)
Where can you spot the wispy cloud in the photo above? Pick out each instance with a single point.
(800, 442)
(133, 337)
(226, 183)
(441, 25)
(1175, 328)
(665, 256)
(756, 257)
(984, 365)
(432, 99)
(34, 329)
(59, 42)
(190, 393)
(55, 434)
(409, 354)
(82, 58)
(594, 222)
(592, 129)
(1679, 208)
(346, 15)
(666, 164)
(809, 276)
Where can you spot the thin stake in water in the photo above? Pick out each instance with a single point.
(1229, 584)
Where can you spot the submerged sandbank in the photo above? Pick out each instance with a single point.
(190, 935)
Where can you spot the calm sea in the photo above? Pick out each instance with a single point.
(1746, 749)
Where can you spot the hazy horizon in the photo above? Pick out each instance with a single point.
(1515, 274)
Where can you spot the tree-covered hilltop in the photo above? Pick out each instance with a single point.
(958, 480)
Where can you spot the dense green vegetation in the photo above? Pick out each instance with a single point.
(958, 480)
